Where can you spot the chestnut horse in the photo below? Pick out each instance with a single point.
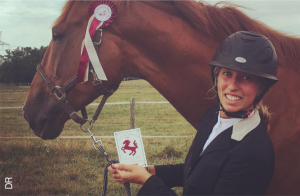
(168, 44)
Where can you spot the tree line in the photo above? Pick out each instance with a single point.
(19, 65)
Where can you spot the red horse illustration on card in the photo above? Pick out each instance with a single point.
(127, 147)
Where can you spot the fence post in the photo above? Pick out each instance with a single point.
(132, 115)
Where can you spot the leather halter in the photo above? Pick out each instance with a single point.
(60, 92)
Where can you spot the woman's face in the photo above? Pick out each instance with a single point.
(237, 90)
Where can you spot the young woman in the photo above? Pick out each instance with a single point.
(232, 153)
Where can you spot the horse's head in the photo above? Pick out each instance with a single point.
(42, 110)
(126, 142)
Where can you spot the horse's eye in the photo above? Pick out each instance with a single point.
(57, 36)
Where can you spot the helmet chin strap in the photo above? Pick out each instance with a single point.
(239, 114)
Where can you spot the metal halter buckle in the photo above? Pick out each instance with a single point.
(100, 39)
(99, 142)
(89, 128)
(63, 94)
(96, 81)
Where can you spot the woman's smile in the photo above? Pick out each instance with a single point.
(231, 97)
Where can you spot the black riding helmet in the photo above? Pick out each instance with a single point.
(247, 52)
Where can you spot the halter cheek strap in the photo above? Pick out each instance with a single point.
(60, 92)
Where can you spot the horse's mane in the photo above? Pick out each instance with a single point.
(221, 21)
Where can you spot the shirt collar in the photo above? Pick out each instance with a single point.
(227, 121)
(243, 127)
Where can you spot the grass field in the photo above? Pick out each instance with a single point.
(73, 166)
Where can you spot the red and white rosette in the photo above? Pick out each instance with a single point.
(101, 13)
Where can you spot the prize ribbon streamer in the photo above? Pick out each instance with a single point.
(89, 53)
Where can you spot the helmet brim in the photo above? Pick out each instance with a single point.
(241, 68)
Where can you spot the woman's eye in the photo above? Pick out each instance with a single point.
(248, 78)
(227, 74)
(57, 36)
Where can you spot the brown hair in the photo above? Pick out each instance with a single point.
(264, 114)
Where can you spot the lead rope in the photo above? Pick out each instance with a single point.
(109, 162)
(100, 147)
(98, 85)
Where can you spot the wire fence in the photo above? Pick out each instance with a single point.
(151, 112)
(24, 87)
(14, 87)
(28, 84)
(16, 84)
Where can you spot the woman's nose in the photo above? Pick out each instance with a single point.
(233, 84)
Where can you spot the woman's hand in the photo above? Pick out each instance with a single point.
(129, 173)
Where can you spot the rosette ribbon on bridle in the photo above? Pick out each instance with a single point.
(101, 13)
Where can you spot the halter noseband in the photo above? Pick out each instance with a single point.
(60, 92)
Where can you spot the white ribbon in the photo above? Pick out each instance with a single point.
(92, 53)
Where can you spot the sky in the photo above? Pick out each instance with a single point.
(27, 23)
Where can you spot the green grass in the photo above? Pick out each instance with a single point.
(73, 166)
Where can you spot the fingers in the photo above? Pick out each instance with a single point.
(120, 176)
(117, 173)
(122, 172)
(125, 167)
(116, 176)
(112, 170)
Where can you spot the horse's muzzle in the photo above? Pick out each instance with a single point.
(44, 126)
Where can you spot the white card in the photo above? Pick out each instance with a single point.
(130, 147)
